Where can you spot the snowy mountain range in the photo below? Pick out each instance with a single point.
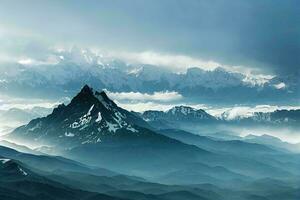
(186, 114)
(178, 113)
(176, 116)
(69, 70)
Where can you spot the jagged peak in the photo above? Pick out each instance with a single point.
(89, 96)
(86, 89)
(86, 94)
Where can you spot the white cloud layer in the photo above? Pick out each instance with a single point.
(180, 63)
(177, 63)
(137, 96)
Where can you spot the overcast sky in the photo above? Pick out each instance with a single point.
(256, 34)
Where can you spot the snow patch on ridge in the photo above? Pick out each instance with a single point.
(112, 127)
(90, 110)
(69, 134)
(130, 128)
(99, 118)
(22, 171)
(84, 120)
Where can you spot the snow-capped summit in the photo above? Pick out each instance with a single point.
(89, 118)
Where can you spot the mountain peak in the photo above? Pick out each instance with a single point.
(90, 117)
(85, 96)
(86, 89)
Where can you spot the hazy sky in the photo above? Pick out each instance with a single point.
(259, 34)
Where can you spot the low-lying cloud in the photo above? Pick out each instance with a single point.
(7, 103)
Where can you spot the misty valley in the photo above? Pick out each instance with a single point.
(91, 148)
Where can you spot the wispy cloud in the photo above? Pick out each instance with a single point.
(280, 86)
(144, 106)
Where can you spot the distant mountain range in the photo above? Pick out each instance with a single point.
(180, 116)
(179, 113)
(76, 67)
(291, 117)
